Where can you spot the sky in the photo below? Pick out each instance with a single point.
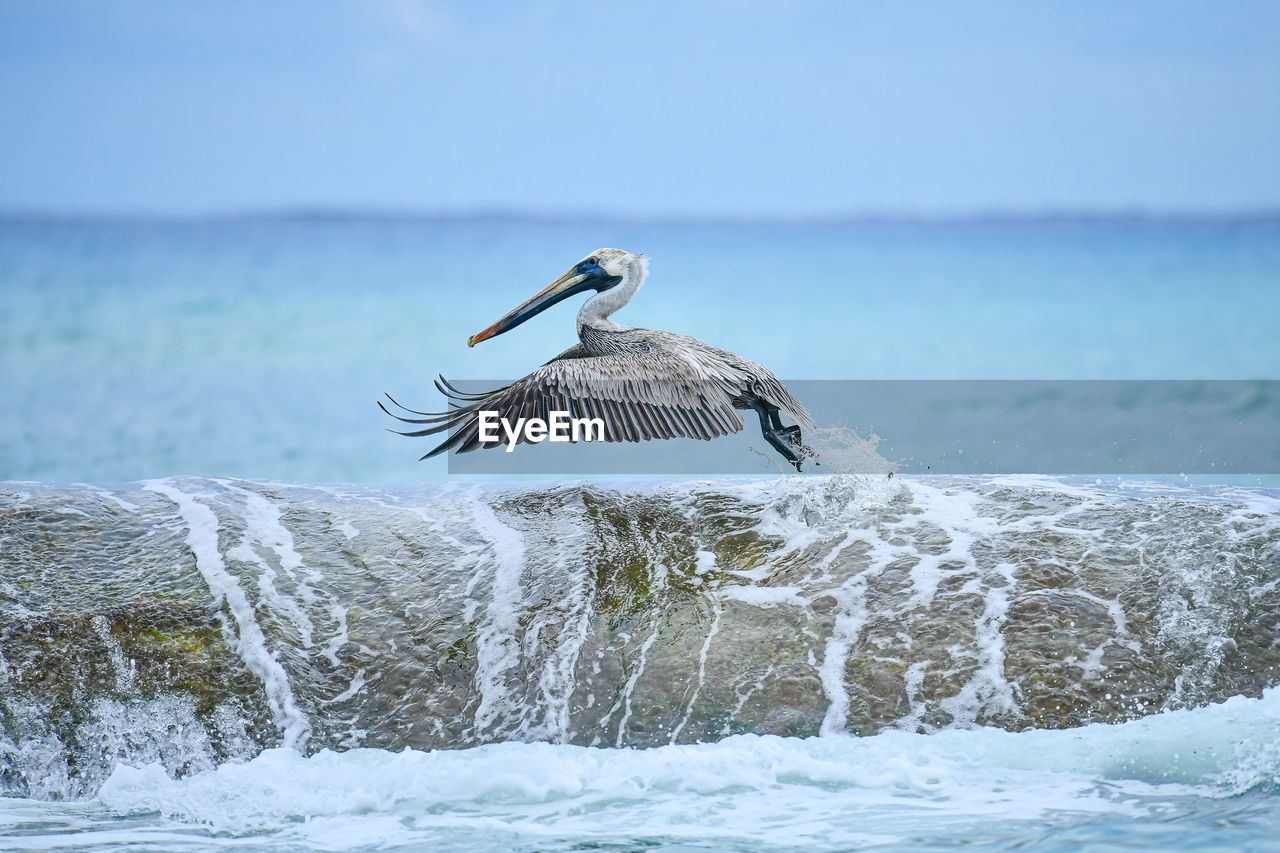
(645, 109)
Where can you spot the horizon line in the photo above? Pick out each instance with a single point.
(337, 214)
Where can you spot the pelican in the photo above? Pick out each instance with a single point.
(644, 384)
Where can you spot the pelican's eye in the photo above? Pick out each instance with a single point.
(593, 261)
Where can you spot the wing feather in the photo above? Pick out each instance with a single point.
(638, 397)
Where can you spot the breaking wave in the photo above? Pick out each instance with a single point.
(233, 656)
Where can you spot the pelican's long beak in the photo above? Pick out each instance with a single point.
(574, 281)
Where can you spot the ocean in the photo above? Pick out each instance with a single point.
(236, 612)
(257, 348)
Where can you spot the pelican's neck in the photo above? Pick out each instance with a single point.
(596, 310)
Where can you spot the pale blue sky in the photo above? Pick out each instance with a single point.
(639, 109)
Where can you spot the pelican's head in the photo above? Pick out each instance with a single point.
(599, 271)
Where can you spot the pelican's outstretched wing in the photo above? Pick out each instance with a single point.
(637, 397)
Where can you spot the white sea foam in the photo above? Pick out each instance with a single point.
(265, 527)
(497, 644)
(717, 612)
(251, 645)
(851, 616)
(629, 690)
(765, 596)
(568, 619)
(761, 792)
(851, 570)
(744, 696)
(987, 691)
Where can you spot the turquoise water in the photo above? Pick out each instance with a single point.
(257, 348)
(1176, 781)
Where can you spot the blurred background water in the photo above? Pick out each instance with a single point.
(256, 347)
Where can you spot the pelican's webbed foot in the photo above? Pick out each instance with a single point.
(785, 440)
